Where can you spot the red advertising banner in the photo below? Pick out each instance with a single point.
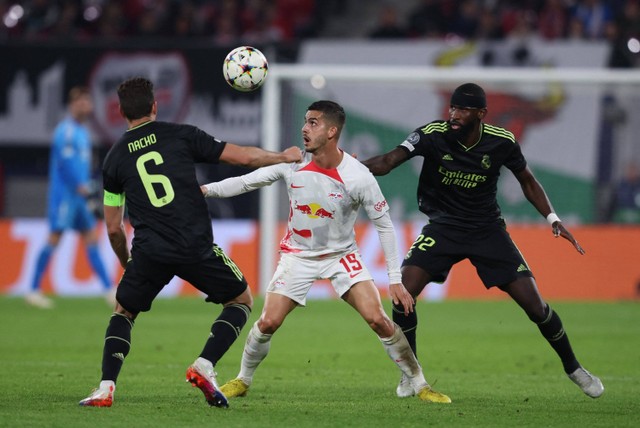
(608, 271)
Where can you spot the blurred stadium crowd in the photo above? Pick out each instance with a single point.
(223, 23)
(265, 21)
(614, 21)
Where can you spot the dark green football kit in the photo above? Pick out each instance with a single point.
(151, 170)
(457, 190)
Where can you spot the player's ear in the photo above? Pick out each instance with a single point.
(121, 112)
(333, 131)
(482, 113)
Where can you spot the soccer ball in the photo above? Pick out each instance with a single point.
(245, 68)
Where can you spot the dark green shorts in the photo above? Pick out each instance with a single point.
(489, 248)
(217, 276)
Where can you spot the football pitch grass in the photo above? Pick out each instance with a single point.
(326, 368)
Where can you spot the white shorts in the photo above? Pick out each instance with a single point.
(295, 275)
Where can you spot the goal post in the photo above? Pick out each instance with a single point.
(582, 85)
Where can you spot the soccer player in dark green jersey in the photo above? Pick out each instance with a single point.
(152, 169)
(457, 191)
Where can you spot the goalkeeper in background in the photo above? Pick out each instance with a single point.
(69, 191)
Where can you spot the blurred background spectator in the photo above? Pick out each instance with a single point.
(626, 207)
(593, 15)
(553, 20)
(429, 17)
(388, 25)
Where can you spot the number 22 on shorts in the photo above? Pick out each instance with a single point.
(423, 242)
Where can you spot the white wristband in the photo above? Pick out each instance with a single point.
(552, 218)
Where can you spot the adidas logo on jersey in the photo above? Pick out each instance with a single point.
(447, 157)
(522, 268)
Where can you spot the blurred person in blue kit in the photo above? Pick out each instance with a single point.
(69, 192)
(626, 201)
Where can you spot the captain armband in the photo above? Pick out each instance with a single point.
(113, 199)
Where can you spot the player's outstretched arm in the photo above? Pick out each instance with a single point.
(244, 183)
(255, 157)
(536, 195)
(383, 164)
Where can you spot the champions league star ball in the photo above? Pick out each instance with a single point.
(245, 68)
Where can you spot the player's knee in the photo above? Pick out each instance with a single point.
(90, 237)
(54, 239)
(119, 309)
(538, 313)
(268, 324)
(243, 299)
(415, 279)
(398, 309)
(381, 324)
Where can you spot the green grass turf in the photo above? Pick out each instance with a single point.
(325, 369)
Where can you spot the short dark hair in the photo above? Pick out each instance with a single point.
(331, 110)
(136, 97)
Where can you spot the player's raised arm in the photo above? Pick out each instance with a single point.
(536, 195)
(383, 164)
(244, 183)
(255, 157)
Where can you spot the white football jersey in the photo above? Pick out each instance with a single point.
(324, 203)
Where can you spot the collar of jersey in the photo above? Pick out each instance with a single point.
(466, 149)
(139, 126)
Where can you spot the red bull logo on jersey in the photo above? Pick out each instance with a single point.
(335, 195)
(304, 209)
(313, 210)
(322, 213)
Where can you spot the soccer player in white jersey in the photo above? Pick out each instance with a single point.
(325, 191)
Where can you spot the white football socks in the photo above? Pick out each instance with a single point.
(255, 350)
(400, 352)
